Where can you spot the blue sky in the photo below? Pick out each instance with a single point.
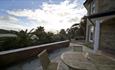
(52, 14)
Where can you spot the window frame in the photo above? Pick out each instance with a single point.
(93, 7)
(91, 33)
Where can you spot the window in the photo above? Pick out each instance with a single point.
(91, 33)
(93, 7)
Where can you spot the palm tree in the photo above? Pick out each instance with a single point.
(82, 29)
(72, 32)
(63, 34)
(41, 34)
(83, 25)
(50, 37)
(23, 39)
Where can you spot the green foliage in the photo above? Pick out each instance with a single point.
(63, 35)
(29, 38)
(23, 39)
(49, 37)
(72, 32)
(89, 45)
(77, 30)
(41, 34)
(9, 43)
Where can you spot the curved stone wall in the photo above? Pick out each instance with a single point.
(17, 55)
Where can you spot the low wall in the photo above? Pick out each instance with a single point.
(17, 55)
(87, 49)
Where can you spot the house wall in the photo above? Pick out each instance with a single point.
(89, 23)
(105, 5)
(107, 35)
(101, 6)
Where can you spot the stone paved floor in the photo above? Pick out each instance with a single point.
(35, 64)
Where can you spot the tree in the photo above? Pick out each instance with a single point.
(23, 39)
(63, 35)
(83, 25)
(82, 29)
(72, 32)
(41, 34)
(49, 37)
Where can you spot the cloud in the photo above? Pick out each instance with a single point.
(10, 23)
(53, 16)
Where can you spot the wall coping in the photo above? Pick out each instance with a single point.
(30, 47)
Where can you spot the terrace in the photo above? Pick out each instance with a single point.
(34, 63)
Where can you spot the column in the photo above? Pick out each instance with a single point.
(96, 36)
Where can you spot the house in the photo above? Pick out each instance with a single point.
(100, 26)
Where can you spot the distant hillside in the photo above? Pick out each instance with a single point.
(2, 31)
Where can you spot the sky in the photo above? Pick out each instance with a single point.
(53, 15)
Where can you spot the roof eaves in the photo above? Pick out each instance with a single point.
(109, 13)
(87, 2)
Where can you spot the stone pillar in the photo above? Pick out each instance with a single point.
(87, 31)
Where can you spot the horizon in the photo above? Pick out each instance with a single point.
(53, 15)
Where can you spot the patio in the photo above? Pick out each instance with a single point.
(55, 56)
(35, 64)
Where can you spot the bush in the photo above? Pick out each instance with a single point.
(89, 45)
(25, 38)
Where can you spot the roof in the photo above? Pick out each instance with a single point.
(87, 2)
